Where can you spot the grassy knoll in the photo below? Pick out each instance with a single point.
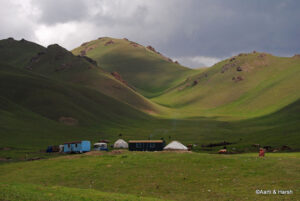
(60, 65)
(251, 85)
(173, 176)
(150, 72)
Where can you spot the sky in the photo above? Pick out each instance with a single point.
(197, 33)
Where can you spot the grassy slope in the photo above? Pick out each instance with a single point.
(30, 192)
(27, 132)
(269, 84)
(149, 72)
(171, 176)
(58, 63)
(31, 106)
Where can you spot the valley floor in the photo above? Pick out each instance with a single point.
(157, 175)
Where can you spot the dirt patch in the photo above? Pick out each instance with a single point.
(134, 44)
(238, 78)
(176, 151)
(227, 66)
(68, 121)
(151, 48)
(119, 77)
(150, 112)
(242, 54)
(84, 44)
(296, 56)
(195, 82)
(82, 53)
(217, 144)
(262, 55)
(34, 159)
(5, 148)
(110, 42)
(5, 159)
(94, 153)
(239, 69)
(63, 66)
(87, 49)
(99, 153)
(285, 148)
(232, 59)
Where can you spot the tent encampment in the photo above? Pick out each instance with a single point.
(120, 144)
(175, 145)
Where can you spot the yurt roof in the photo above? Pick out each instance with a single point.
(175, 145)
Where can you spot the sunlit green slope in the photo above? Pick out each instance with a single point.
(144, 68)
(247, 85)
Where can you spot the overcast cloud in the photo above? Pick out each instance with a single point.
(195, 32)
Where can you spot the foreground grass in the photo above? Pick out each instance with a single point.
(174, 176)
(28, 192)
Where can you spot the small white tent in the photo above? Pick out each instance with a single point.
(120, 144)
(175, 145)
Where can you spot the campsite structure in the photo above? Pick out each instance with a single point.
(120, 144)
(53, 148)
(175, 146)
(100, 146)
(77, 146)
(146, 145)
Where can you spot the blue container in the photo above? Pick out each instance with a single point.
(77, 146)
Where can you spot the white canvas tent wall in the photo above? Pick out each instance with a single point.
(175, 145)
(120, 144)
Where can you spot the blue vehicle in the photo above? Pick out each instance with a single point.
(77, 147)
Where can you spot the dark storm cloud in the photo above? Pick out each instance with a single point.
(193, 31)
(220, 28)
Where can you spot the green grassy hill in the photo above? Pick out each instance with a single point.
(171, 176)
(58, 63)
(49, 96)
(245, 86)
(147, 70)
(37, 111)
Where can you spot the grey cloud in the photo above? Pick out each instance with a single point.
(222, 28)
(61, 11)
(186, 29)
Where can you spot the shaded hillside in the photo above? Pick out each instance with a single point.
(36, 111)
(150, 72)
(58, 63)
(246, 85)
(53, 99)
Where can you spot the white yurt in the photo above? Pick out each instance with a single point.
(176, 146)
(120, 144)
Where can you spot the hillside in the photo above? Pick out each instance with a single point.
(244, 86)
(170, 176)
(58, 63)
(49, 96)
(144, 68)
